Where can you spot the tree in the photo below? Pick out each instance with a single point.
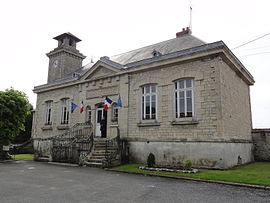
(14, 109)
(25, 134)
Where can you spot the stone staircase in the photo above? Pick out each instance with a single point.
(102, 150)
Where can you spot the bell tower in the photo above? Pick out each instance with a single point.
(64, 59)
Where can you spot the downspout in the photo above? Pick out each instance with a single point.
(127, 145)
(128, 106)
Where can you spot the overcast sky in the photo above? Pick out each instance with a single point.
(109, 27)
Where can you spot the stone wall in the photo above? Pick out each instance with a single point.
(92, 92)
(235, 109)
(220, 155)
(206, 91)
(261, 139)
(42, 148)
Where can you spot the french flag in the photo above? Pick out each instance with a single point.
(81, 108)
(107, 103)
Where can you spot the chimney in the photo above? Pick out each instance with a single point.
(183, 32)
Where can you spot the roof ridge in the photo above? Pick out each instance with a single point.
(156, 44)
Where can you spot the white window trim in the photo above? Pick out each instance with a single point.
(87, 111)
(47, 108)
(113, 115)
(144, 110)
(178, 104)
(65, 121)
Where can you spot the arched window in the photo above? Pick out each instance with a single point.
(65, 111)
(149, 102)
(88, 114)
(184, 99)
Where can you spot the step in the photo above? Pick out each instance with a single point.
(98, 156)
(94, 164)
(100, 144)
(104, 151)
(95, 160)
(100, 140)
(109, 149)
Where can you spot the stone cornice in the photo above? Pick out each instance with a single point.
(65, 50)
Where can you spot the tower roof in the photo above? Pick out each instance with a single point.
(69, 35)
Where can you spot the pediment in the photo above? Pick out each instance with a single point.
(100, 70)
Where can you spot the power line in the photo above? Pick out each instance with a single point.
(262, 47)
(267, 52)
(251, 41)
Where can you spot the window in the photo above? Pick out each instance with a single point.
(184, 102)
(88, 113)
(48, 112)
(115, 113)
(64, 111)
(71, 42)
(149, 102)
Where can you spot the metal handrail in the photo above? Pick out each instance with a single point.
(73, 138)
(113, 148)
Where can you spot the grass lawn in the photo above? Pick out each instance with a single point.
(23, 156)
(257, 173)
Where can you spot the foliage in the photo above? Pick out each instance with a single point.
(151, 160)
(25, 134)
(257, 173)
(14, 108)
(188, 165)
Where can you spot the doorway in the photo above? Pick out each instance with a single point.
(100, 112)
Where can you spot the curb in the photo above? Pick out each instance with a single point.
(9, 160)
(196, 179)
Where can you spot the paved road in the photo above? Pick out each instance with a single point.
(28, 181)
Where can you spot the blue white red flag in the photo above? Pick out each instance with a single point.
(119, 101)
(107, 103)
(73, 107)
(82, 106)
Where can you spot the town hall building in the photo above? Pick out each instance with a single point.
(180, 99)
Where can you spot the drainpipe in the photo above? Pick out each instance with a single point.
(128, 106)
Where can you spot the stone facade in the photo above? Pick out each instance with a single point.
(217, 135)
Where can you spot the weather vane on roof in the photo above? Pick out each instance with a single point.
(190, 19)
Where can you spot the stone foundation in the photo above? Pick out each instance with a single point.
(42, 148)
(219, 155)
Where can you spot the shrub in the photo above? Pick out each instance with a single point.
(188, 165)
(151, 161)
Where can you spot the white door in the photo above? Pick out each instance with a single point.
(99, 114)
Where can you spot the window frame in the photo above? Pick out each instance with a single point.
(176, 93)
(48, 112)
(143, 96)
(114, 109)
(88, 114)
(65, 104)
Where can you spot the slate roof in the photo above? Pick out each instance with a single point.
(166, 47)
